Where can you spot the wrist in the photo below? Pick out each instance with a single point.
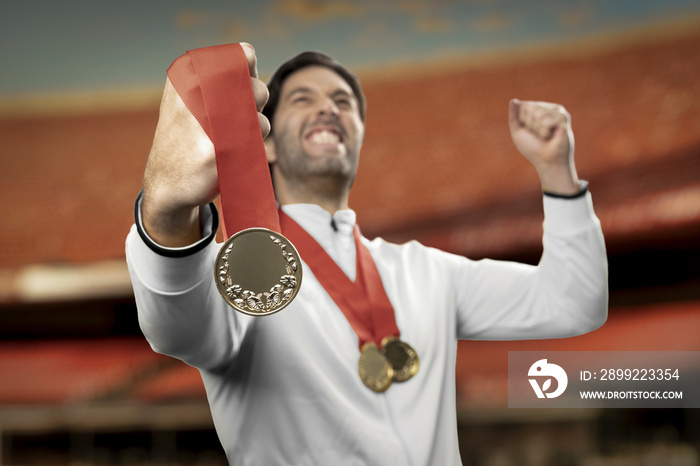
(170, 226)
(559, 180)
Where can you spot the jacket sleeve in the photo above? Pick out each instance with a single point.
(180, 311)
(565, 295)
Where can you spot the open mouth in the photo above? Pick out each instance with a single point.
(325, 135)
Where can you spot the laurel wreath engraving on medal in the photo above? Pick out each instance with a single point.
(265, 302)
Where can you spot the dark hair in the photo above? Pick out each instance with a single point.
(303, 60)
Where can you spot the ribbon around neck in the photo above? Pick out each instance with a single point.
(364, 301)
(215, 85)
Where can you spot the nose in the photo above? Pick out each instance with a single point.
(328, 107)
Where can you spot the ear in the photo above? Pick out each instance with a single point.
(270, 149)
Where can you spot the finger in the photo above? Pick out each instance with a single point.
(264, 125)
(548, 108)
(542, 118)
(533, 117)
(513, 112)
(260, 92)
(528, 115)
(547, 125)
(554, 120)
(251, 58)
(563, 116)
(561, 141)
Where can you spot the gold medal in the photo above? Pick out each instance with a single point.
(258, 271)
(374, 369)
(402, 357)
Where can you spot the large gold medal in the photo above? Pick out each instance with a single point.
(374, 369)
(402, 357)
(258, 271)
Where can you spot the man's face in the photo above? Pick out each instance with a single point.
(317, 127)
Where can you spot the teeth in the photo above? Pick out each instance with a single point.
(325, 137)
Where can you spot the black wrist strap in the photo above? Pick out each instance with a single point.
(174, 252)
(582, 192)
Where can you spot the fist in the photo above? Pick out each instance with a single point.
(541, 131)
(180, 171)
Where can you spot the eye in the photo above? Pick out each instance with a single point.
(345, 103)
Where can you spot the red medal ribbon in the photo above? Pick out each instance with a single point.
(214, 82)
(364, 301)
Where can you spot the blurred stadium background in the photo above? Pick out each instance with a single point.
(79, 93)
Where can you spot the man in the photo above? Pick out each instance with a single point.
(284, 388)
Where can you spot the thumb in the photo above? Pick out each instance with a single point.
(561, 142)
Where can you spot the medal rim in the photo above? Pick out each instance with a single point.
(298, 275)
(412, 365)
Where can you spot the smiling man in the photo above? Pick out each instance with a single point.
(318, 131)
(359, 368)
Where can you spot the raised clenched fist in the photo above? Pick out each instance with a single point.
(180, 173)
(541, 131)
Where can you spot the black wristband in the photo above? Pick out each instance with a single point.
(582, 192)
(174, 252)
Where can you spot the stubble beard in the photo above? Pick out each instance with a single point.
(328, 172)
